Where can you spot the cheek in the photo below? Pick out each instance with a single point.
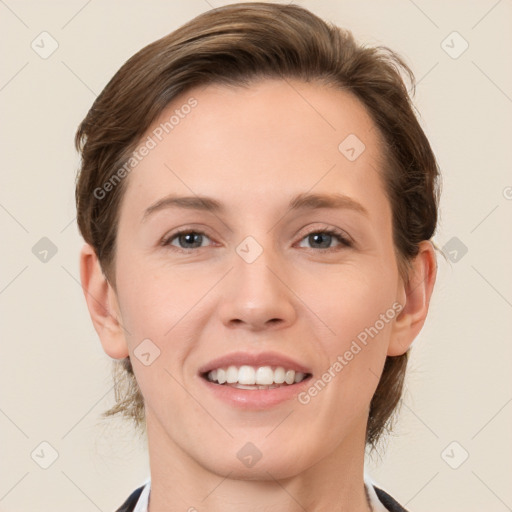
(352, 301)
(355, 355)
(356, 309)
(155, 298)
(162, 315)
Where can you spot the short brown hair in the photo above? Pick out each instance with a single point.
(234, 45)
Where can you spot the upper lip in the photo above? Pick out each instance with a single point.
(256, 360)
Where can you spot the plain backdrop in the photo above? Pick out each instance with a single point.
(452, 448)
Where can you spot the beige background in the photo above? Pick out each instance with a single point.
(55, 378)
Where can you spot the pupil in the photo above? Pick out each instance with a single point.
(320, 236)
(189, 237)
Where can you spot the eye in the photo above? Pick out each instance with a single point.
(323, 238)
(189, 239)
(186, 239)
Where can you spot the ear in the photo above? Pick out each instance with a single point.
(415, 299)
(102, 304)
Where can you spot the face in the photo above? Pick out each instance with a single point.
(287, 263)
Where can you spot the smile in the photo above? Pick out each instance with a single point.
(251, 377)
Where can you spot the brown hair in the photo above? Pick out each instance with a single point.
(233, 45)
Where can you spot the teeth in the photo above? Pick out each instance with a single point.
(248, 377)
(279, 375)
(221, 376)
(231, 375)
(264, 376)
(299, 376)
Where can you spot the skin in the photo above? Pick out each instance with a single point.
(253, 149)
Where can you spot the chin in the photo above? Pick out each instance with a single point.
(249, 463)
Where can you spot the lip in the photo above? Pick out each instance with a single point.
(256, 360)
(258, 399)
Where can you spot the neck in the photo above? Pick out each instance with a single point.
(180, 483)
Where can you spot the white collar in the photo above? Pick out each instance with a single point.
(142, 503)
(377, 506)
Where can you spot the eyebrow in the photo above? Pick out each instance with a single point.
(304, 201)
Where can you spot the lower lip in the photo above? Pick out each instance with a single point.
(258, 398)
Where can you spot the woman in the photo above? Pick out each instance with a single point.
(257, 200)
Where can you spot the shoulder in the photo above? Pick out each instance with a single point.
(130, 503)
(388, 501)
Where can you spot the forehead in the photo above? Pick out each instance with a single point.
(249, 144)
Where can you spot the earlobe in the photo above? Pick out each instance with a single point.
(417, 292)
(102, 304)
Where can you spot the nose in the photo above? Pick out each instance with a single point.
(257, 295)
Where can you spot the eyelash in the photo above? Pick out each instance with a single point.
(339, 235)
